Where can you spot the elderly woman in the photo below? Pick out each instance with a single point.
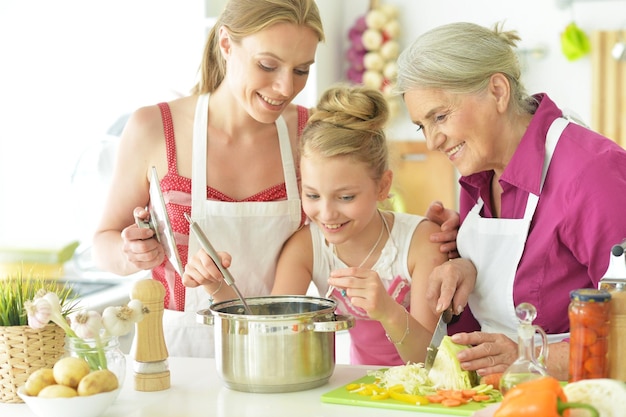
(540, 194)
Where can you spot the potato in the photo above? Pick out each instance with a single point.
(38, 380)
(97, 382)
(57, 391)
(70, 370)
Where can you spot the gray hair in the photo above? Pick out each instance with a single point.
(461, 58)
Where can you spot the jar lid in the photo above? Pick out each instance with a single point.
(590, 295)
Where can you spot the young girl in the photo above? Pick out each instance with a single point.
(376, 262)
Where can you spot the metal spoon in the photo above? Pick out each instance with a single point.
(206, 245)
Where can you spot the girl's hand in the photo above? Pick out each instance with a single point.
(364, 288)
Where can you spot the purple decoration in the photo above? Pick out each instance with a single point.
(355, 76)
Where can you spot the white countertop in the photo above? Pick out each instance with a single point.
(196, 390)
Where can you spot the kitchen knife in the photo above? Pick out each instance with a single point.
(440, 331)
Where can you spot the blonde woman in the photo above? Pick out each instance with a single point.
(224, 155)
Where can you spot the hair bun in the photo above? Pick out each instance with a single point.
(352, 107)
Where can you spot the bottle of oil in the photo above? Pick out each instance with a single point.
(527, 366)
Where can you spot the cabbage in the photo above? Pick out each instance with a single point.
(608, 396)
(412, 376)
(446, 372)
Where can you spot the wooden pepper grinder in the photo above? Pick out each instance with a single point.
(149, 351)
(617, 334)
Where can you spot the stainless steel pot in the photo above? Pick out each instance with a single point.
(286, 344)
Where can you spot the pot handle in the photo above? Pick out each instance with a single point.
(341, 322)
(204, 317)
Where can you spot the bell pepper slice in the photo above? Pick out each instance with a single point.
(540, 397)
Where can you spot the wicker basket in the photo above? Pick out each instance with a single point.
(23, 350)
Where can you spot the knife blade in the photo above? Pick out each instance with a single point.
(440, 331)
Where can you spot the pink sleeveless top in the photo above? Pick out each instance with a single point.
(177, 195)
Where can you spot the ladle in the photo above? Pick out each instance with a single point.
(206, 245)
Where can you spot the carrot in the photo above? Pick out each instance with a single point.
(468, 393)
(452, 394)
(481, 397)
(492, 379)
(451, 402)
(436, 398)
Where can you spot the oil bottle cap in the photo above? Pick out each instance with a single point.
(590, 295)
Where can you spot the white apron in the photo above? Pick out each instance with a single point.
(253, 233)
(495, 246)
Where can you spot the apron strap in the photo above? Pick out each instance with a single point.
(554, 133)
(289, 168)
(199, 147)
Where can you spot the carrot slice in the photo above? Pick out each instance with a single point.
(436, 398)
(468, 393)
(451, 402)
(481, 397)
(492, 379)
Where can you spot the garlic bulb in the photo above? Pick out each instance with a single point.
(39, 313)
(86, 324)
(372, 39)
(374, 49)
(118, 321)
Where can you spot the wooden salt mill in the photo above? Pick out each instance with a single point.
(150, 368)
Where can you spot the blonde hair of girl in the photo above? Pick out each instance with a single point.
(349, 121)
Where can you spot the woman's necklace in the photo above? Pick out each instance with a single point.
(380, 236)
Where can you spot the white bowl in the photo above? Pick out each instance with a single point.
(87, 406)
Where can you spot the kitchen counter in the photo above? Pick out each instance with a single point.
(197, 390)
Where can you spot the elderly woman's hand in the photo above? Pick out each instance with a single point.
(450, 284)
(490, 352)
(449, 221)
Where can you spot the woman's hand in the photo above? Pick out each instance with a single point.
(450, 284)
(140, 244)
(202, 271)
(449, 221)
(490, 352)
(364, 288)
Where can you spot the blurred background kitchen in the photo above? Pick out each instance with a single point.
(72, 70)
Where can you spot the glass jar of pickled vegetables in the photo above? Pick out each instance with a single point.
(589, 313)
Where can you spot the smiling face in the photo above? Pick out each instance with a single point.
(475, 131)
(265, 71)
(340, 196)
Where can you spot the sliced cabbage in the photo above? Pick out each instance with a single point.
(446, 372)
(412, 376)
(608, 396)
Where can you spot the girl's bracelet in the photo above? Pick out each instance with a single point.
(406, 331)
